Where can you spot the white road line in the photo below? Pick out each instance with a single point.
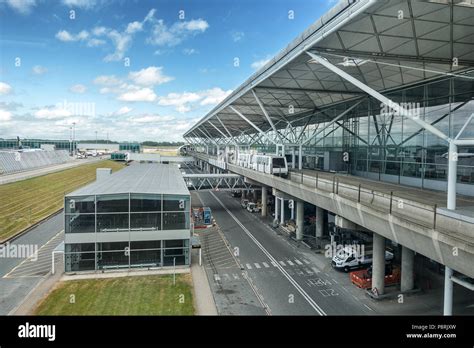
(303, 293)
(236, 276)
(265, 264)
(274, 264)
(248, 266)
(257, 265)
(308, 271)
(306, 261)
(32, 256)
(290, 263)
(370, 309)
(298, 262)
(334, 280)
(282, 263)
(315, 270)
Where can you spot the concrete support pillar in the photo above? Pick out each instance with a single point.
(300, 157)
(282, 214)
(448, 291)
(319, 222)
(299, 219)
(378, 264)
(408, 262)
(293, 159)
(292, 210)
(277, 207)
(255, 195)
(264, 201)
(244, 193)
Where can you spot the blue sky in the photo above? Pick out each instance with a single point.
(135, 70)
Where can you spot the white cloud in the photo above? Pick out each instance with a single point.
(162, 35)
(107, 80)
(151, 119)
(214, 96)
(5, 115)
(123, 110)
(138, 95)
(189, 51)
(237, 35)
(121, 42)
(64, 35)
(39, 70)
(84, 4)
(51, 113)
(95, 42)
(260, 63)
(134, 27)
(22, 6)
(78, 89)
(184, 102)
(5, 88)
(149, 77)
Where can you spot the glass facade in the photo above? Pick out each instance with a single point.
(36, 144)
(382, 144)
(130, 147)
(131, 213)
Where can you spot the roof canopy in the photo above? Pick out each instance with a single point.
(384, 44)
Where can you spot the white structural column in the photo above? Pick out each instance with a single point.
(378, 264)
(300, 157)
(299, 219)
(277, 207)
(293, 158)
(264, 201)
(408, 263)
(452, 178)
(319, 222)
(282, 207)
(292, 209)
(344, 223)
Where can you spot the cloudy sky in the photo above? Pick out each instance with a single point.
(133, 70)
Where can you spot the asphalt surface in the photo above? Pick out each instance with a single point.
(19, 276)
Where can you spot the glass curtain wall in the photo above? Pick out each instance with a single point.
(127, 213)
(384, 144)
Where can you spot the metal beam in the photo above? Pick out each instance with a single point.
(332, 121)
(308, 90)
(391, 104)
(266, 114)
(251, 123)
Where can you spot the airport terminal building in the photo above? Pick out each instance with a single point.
(138, 217)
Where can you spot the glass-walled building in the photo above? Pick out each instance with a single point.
(388, 147)
(138, 217)
(130, 147)
(36, 144)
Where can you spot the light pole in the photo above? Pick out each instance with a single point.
(74, 138)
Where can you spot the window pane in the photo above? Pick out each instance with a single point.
(79, 262)
(80, 223)
(145, 221)
(146, 258)
(145, 244)
(112, 259)
(112, 222)
(108, 246)
(174, 221)
(175, 203)
(80, 204)
(141, 202)
(112, 203)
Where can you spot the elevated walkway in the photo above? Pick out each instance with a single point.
(412, 217)
(215, 182)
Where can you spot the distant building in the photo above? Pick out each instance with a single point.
(138, 217)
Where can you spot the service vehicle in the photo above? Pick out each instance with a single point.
(363, 278)
(355, 257)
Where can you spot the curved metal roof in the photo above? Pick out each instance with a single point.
(384, 44)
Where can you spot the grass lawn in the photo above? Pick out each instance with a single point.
(137, 295)
(25, 202)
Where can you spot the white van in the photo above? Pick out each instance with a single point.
(351, 258)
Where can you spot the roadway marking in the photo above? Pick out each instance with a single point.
(370, 309)
(298, 262)
(290, 263)
(236, 276)
(315, 270)
(303, 293)
(282, 263)
(265, 264)
(274, 264)
(306, 261)
(257, 265)
(248, 266)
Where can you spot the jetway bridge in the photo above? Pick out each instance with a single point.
(217, 182)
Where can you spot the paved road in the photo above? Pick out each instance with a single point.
(18, 276)
(289, 281)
